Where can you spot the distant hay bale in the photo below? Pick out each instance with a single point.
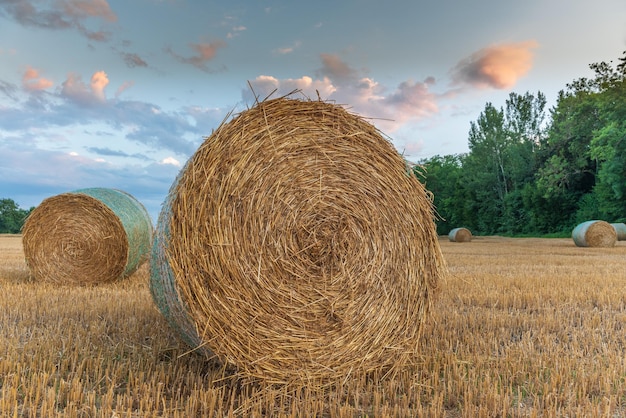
(296, 246)
(594, 234)
(620, 230)
(460, 235)
(87, 236)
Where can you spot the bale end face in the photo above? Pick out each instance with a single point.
(296, 247)
(460, 235)
(86, 237)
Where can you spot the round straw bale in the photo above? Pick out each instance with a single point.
(296, 246)
(594, 234)
(87, 236)
(460, 235)
(620, 229)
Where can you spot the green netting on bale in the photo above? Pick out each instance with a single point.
(163, 284)
(135, 220)
(620, 229)
(594, 234)
(460, 235)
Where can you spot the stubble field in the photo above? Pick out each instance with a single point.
(522, 328)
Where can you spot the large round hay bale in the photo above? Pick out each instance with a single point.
(460, 235)
(620, 230)
(297, 246)
(87, 236)
(594, 234)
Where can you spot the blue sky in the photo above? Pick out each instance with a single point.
(104, 93)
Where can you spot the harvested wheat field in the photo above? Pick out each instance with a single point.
(522, 328)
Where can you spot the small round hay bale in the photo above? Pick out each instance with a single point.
(594, 234)
(87, 236)
(460, 235)
(620, 230)
(296, 246)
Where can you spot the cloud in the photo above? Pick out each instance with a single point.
(497, 66)
(288, 50)
(265, 85)
(76, 102)
(108, 152)
(334, 68)
(171, 161)
(336, 80)
(133, 60)
(8, 89)
(31, 175)
(61, 15)
(76, 90)
(32, 81)
(236, 30)
(125, 86)
(74, 136)
(413, 99)
(80, 9)
(99, 81)
(409, 100)
(204, 52)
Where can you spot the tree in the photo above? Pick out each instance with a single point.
(484, 170)
(501, 161)
(608, 145)
(11, 216)
(524, 123)
(566, 171)
(442, 177)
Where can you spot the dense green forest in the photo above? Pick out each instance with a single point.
(530, 171)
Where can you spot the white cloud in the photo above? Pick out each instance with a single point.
(265, 85)
(171, 161)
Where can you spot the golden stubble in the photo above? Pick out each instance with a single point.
(522, 328)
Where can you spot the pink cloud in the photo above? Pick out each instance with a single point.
(32, 81)
(414, 99)
(99, 81)
(204, 52)
(89, 8)
(124, 87)
(497, 66)
(339, 82)
(410, 100)
(75, 89)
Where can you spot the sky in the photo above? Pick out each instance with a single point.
(120, 93)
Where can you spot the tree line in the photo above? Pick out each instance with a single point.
(530, 171)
